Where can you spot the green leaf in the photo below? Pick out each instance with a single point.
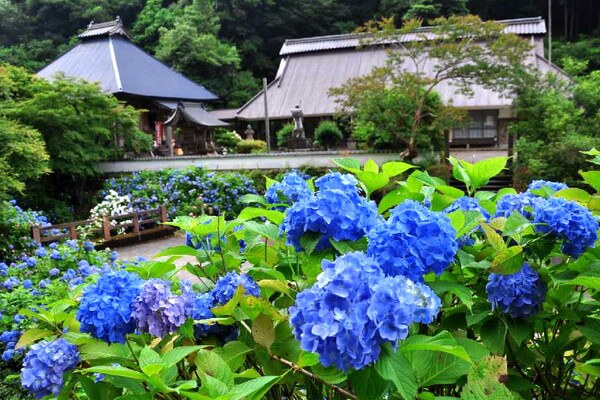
(270, 231)
(234, 353)
(98, 350)
(494, 239)
(252, 198)
(592, 178)
(148, 360)
(395, 168)
(249, 213)
(516, 223)
(484, 170)
(263, 331)
(349, 164)
(116, 370)
(591, 282)
(450, 191)
(493, 335)
(308, 359)
(459, 172)
(253, 389)
(330, 374)
(211, 364)
(575, 194)
(309, 241)
(455, 350)
(371, 166)
(176, 354)
(372, 181)
(177, 251)
(396, 197)
(464, 294)
(508, 261)
(367, 384)
(30, 336)
(394, 367)
(275, 285)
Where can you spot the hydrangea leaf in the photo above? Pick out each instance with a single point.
(592, 178)
(330, 374)
(309, 241)
(234, 353)
(394, 367)
(32, 335)
(117, 370)
(516, 223)
(178, 251)
(254, 389)
(578, 195)
(508, 261)
(349, 164)
(371, 166)
(367, 384)
(308, 359)
(173, 356)
(494, 239)
(269, 231)
(372, 181)
(249, 213)
(252, 198)
(211, 365)
(484, 381)
(493, 335)
(263, 331)
(396, 197)
(395, 168)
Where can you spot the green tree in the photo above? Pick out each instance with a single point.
(426, 9)
(23, 157)
(328, 134)
(449, 50)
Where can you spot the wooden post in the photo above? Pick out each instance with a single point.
(105, 228)
(162, 213)
(36, 233)
(136, 223)
(169, 138)
(267, 124)
(73, 231)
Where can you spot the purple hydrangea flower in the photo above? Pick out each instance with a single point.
(88, 246)
(158, 311)
(45, 364)
(107, 306)
(413, 242)
(41, 252)
(56, 255)
(518, 295)
(53, 272)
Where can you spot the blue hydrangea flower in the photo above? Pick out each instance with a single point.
(336, 211)
(27, 284)
(158, 311)
(11, 283)
(539, 184)
(569, 221)
(202, 310)
(414, 241)
(10, 337)
(518, 295)
(522, 202)
(53, 245)
(45, 364)
(53, 272)
(227, 285)
(291, 189)
(3, 269)
(106, 306)
(72, 244)
(31, 261)
(353, 309)
(41, 252)
(88, 246)
(56, 255)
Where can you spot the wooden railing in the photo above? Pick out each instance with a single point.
(132, 223)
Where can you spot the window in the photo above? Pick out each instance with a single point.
(481, 124)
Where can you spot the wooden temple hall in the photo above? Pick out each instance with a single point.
(173, 105)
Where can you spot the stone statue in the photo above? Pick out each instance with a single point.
(249, 132)
(297, 114)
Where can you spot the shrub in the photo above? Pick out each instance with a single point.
(227, 139)
(328, 134)
(15, 229)
(431, 292)
(284, 135)
(251, 146)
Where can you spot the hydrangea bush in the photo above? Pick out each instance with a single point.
(189, 191)
(381, 282)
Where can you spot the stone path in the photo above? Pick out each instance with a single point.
(150, 248)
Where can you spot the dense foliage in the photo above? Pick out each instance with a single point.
(556, 121)
(15, 228)
(190, 191)
(328, 134)
(247, 146)
(284, 134)
(324, 293)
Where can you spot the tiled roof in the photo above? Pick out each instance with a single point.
(520, 26)
(104, 29)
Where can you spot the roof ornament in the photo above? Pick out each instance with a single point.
(90, 24)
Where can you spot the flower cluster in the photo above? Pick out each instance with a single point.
(190, 190)
(353, 309)
(291, 189)
(336, 211)
(158, 311)
(569, 221)
(106, 309)
(414, 241)
(223, 291)
(540, 184)
(10, 339)
(466, 203)
(522, 203)
(45, 364)
(518, 295)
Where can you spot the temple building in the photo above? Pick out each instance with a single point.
(106, 55)
(310, 67)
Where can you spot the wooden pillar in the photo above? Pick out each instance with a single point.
(36, 233)
(105, 228)
(136, 223)
(162, 213)
(169, 138)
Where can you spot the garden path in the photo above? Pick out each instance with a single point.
(150, 248)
